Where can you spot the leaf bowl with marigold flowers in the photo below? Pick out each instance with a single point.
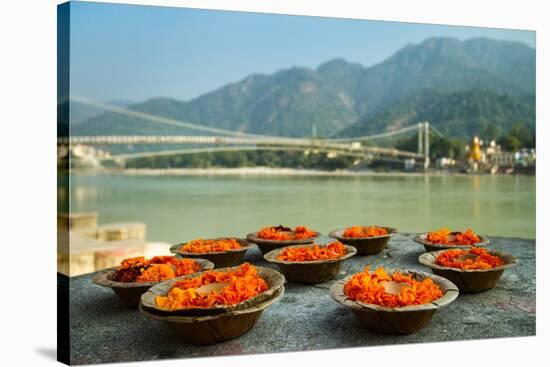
(274, 237)
(216, 305)
(367, 240)
(214, 291)
(311, 263)
(396, 301)
(444, 238)
(213, 328)
(472, 270)
(222, 251)
(136, 275)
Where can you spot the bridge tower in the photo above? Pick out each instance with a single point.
(420, 138)
(426, 145)
(424, 142)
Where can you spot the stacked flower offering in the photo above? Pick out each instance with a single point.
(311, 263)
(273, 237)
(399, 302)
(214, 305)
(135, 275)
(222, 252)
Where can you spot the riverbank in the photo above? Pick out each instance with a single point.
(253, 171)
(268, 171)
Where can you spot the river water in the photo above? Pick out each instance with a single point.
(180, 208)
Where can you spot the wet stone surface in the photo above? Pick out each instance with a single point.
(306, 317)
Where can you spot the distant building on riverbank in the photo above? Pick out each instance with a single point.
(494, 160)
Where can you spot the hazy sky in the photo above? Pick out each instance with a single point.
(131, 52)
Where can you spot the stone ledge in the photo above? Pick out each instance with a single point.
(307, 318)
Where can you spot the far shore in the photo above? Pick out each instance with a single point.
(266, 171)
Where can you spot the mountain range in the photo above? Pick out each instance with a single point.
(81, 112)
(460, 86)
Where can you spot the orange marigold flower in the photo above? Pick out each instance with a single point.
(156, 273)
(370, 288)
(204, 246)
(312, 253)
(165, 259)
(235, 286)
(134, 262)
(185, 266)
(467, 238)
(282, 233)
(362, 231)
(440, 236)
(445, 236)
(302, 232)
(475, 258)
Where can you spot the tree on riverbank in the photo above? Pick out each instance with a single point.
(439, 146)
(272, 159)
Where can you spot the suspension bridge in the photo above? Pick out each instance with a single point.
(214, 139)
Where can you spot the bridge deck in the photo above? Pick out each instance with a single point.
(303, 143)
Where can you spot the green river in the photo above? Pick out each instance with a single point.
(180, 208)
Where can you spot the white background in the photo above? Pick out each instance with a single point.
(28, 180)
